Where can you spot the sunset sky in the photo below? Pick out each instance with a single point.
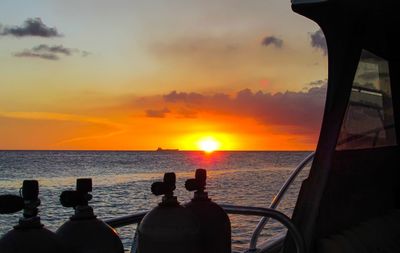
(137, 75)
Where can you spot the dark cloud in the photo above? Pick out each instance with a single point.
(47, 52)
(272, 40)
(318, 82)
(318, 41)
(183, 97)
(54, 49)
(31, 27)
(45, 56)
(185, 113)
(157, 113)
(295, 112)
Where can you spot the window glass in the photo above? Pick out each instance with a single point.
(369, 118)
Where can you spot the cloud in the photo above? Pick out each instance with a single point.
(157, 113)
(185, 113)
(54, 49)
(183, 96)
(318, 82)
(272, 40)
(45, 56)
(47, 52)
(222, 55)
(294, 112)
(318, 41)
(31, 27)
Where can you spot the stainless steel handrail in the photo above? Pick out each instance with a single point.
(126, 220)
(277, 199)
(137, 217)
(242, 210)
(272, 213)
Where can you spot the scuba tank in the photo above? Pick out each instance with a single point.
(215, 223)
(169, 227)
(29, 235)
(84, 232)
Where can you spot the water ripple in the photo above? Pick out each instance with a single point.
(122, 183)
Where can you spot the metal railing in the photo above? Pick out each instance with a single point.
(231, 209)
(126, 220)
(277, 199)
(243, 210)
(271, 213)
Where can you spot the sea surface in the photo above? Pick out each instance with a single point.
(122, 180)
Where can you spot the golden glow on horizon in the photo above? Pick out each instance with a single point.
(208, 144)
(208, 141)
(80, 132)
(177, 84)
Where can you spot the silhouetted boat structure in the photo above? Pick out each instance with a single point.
(350, 201)
(351, 198)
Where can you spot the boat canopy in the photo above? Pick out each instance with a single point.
(354, 176)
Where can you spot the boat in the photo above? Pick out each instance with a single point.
(350, 200)
(159, 149)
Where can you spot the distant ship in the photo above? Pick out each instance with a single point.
(167, 149)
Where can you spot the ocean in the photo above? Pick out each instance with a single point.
(122, 180)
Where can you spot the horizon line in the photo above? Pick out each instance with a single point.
(151, 150)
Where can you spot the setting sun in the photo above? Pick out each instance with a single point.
(207, 141)
(208, 144)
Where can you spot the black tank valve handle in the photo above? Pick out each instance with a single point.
(11, 204)
(28, 201)
(198, 183)
(166, 187)
(79, 197)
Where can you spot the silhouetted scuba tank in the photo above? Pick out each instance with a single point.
(214, 222)
(169, 227)
(84, 232)
(29, 235)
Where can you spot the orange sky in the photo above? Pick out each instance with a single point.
(137, 76)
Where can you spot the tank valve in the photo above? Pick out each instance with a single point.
(169, 227)
(84, 232)
(214, 222)
(79, 199)
(166, 188)
(29, 235)
(198, 184)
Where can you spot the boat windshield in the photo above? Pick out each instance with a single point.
(369, 120)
